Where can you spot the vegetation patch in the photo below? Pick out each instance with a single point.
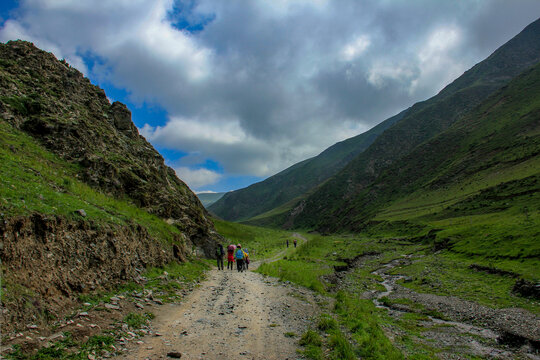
(261, 242)
(67, 349)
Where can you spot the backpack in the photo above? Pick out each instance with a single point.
(219, 251)
(239, 254)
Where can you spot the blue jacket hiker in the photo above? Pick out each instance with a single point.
(239, 255)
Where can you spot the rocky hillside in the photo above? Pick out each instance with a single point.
(422, 122)
(85, 199)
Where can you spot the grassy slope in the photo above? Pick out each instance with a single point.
(326, 208)
(281, 188)
(479, 182)
(55, 104)
(35, 180)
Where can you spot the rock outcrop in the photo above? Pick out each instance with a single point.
(56, 104)
(50, 259)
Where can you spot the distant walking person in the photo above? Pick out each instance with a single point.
(219, 256)
(287, 242)
(294, 242)
(230, 256)
(246, 259)
(239, 256)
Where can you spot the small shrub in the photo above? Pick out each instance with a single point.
(310, 337)
(134, 320)
(326, 323)
(341, 347)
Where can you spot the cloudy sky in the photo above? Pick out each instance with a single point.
(233, 91)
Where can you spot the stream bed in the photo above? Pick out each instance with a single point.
(465, 329)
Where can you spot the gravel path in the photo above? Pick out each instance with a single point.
(231, 315)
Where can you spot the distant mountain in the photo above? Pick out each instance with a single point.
(296, 180)
(336, 203)
(208, 199)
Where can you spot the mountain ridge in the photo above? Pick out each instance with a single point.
(424, 121)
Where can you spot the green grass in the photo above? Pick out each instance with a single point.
(35, 180)
(306, 267)
(167, 281)
(261, 242)
(164, 282)
(136, 320)
(312, 343)
(361, 319)
(449, 274)
(67, 349)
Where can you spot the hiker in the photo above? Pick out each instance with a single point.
(219, 256)
(287, 242)
(294, 242)
(246, 258)
(239, 256)
(230, 256)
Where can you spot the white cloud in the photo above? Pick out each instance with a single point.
(195, 178)
(355, 48)
(184, 129)
(380, 73)
(440, 58)
(265, 84)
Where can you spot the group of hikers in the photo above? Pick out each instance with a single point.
(294, 242)
(235, 253)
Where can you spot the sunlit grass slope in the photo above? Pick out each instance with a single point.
(36, 181)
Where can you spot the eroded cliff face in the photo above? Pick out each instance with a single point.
(47, 260)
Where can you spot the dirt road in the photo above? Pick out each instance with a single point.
(231, 315)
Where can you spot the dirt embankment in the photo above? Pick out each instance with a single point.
(48, 261)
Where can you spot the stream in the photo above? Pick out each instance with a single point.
(455, 337)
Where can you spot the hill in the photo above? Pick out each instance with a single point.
(474, 188)
(423, 121)
(296, 180)
(86, 202)
(208, 199)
